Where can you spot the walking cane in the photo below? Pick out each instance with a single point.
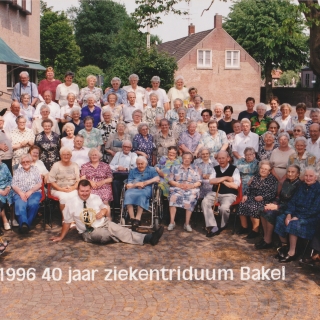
(216, 212)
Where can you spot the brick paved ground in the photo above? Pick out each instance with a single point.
(295, 297)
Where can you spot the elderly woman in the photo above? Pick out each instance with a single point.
(205, 167)
(143, 143)
(67, 87)
(189, 140)
(172, 115)
(274, 112)
(315, 118)
(181, 125)
(192, 93)
(279, 158)
(132, 127)
(156, 128)
(271, 210)
(45, 115)
(91, 89)
(64, 177)
(299, 130)
(114, 143)
(75, 114)
(49, 144)
(153, 110)
(285, 121)
(225, 124)
(262, 190)
(178, 91)
(301, 117)
(194, 113)
(202, 127)
(6, 195)
(301, 157)
(163, 168)
(215, 140)
(35, 151)
(164, 139)
(65, 110)
(26, 109)
(49, 83)
(139, 189)
(266, 148)
(99, 174)
(259, 123)
(296, 221)
(184, 184)
(68, 141)
(27, 195)
(91, 110)
(133, 87)
(92, 136)
(22, 139)
(107, 126)
(248, 167)
(161, 94)
(120, 92)
(217, 112)
(114, 107)
(236, 127)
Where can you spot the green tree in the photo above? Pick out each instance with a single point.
(82, 73)
(287, 76)
(272, 32)
(57, 43)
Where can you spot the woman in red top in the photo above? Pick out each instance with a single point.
(50, 83)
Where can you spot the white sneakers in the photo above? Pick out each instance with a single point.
(14, 223)
(171, 226)
(187, 227)
(6, 226)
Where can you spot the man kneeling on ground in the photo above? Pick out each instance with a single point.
(225, 180)
(100, 229)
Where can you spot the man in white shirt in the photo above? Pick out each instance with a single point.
(313, 143)
(132, 127)
(133, 87)
(11, 116)
(244, 139)
(79, 152)
(93, 224)
(128, 109)
(54, 107)
(65, 110)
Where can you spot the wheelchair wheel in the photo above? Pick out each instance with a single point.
(160, 204)
(123, 210)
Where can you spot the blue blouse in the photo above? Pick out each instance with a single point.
(5, 181)
(143, 145)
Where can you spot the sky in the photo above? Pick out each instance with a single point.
(173, 27)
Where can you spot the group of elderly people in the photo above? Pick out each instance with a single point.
(148, 136)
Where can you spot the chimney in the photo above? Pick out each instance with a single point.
(191, 29)
(218, 21)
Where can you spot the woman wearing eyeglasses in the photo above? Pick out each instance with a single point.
(299, 130)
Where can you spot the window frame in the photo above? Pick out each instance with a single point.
(203, 66)
(225, 59)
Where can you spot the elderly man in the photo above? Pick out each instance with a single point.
(121, 93)
(65, 110)
(189, 139)
(249, 113)
(54, 107)
(121, 163)
(128, 109)
(132, 127)
(163, 100)
(313, 144)
(25, 86)
(101, 230)
(10, 117)
(79, 152)
(133, 87)
(44, 115)
(225, 180)
(244, 140)
(5, 146)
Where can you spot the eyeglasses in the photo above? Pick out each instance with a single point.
(23, 162)
(296, 130)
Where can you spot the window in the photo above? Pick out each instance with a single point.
(204, 59)
(232, 59)
(27, 6)
(13, 75)
(18, 3)
(10, 76)
(307, 84)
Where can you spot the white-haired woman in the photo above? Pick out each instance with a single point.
(67, 141)
(315, 118)
(99, 174)
(268, 145)
(26, 184)
(161, 94)
(64, 177)
(26, 109)
(299, 130)
(285, 121)
(181, 125)
(91, 89)
(65, 110)
(120, 92)
(194, 113)
(217, 112)
(91, 110)
(260, 122)
(152, 110)
(133, 87)
(107, 126)
(172, 115)
(114, 107)
(64, 88)
(75, 114)
(179, 91)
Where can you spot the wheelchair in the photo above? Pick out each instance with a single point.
(155, 208)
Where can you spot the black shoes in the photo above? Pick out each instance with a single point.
(156, 236)
(135, 224)
(211, 234)
(282, 252)
(287, 258)
(252, 234)
(243, 230)
(263, 245)
(24, 228)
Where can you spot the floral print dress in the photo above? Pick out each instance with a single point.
(144, 145)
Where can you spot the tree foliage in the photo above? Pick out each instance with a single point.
(271, 31)
(57, 42)
(82, 73)
(287, 76)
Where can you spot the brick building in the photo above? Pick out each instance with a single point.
(214, 63)
(19, 43)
